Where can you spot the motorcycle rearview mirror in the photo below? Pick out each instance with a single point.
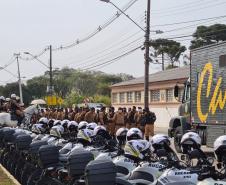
(176, 91)
(210, 160)
(183, 157)
(219, 165)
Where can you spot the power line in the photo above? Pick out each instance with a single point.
(11, 61)
(99, 29)
(114, 59)
(114, 41)
(191, 21)
(120, 50)
(189, 26)
(169, 38)
(194, 9)
(106, 54)
(79, 41)
(90, 58)
(184, 8)
(108, 48)
(178, 6)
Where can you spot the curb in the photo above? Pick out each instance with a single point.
(9, 175)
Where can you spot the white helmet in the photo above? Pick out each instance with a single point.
(134, 133)
(91, 126)
(7, 99)
(82, 125)
(57, 122)
(190, 140)
(98, 129)
(2, 98)
(121, 134)
(38, 128)
(72, 126)
(85, 135)
(136, 149)
(13, 96)
(64, 123)
(219, 146)
(43, 120)
(57, 131)
(159, 141)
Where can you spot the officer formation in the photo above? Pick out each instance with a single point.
(110, 118)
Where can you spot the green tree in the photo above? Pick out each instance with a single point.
(10, 88)
(102, 99)
(205, 35)
(37, 86)
(73, 98)
(71, 84)
(171, 48)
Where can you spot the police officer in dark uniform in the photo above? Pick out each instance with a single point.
(2, 104)
(15, 109)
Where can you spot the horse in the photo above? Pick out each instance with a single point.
(5, 118)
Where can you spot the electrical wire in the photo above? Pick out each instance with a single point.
(191, 21)
(190, 26)
(190, 10)
(99, 29)
(177, 37)
(11, 61)
(178, 6)
(90, 58)
(10, 72)
(185, 8)
(114, 44)
(132, 44)
(109, 53)
(114, 59)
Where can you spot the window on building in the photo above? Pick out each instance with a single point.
(169, 95)
(137, 96)
(122, 97)
(181, 92)
(114, 98)
(163, 96)
(129, 97)
(155, 96)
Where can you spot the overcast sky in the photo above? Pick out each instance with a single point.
(32, 25)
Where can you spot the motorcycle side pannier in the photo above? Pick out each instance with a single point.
(23, 142)
(34, 146)
(15, 135)
(100, 172)
(77, 162)
(48, 155)
(8, 135)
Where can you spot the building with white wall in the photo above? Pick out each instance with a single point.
(161, 93)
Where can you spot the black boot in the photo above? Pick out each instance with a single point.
(147, 138)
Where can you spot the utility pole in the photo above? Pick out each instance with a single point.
(163, 61)
(50, 71)
(146, 45)
(19, 78)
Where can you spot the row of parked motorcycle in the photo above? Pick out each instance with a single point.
(54, 152)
